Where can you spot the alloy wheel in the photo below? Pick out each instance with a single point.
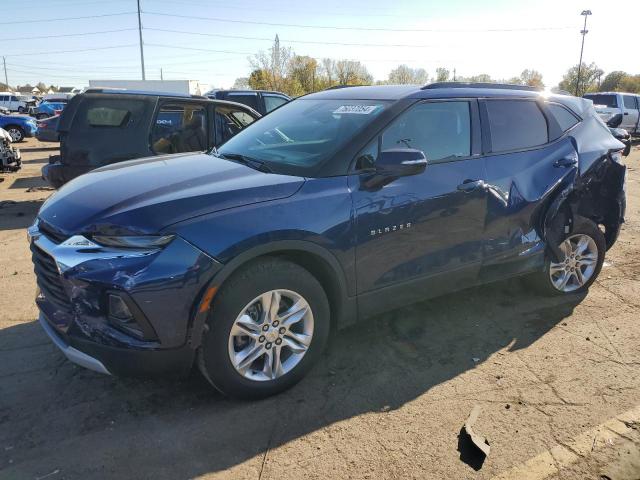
(271, 335)
(578, 265)
(16, 135)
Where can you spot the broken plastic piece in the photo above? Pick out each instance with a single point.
(473, 448)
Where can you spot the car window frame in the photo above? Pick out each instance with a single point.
(225, 103)
(161, 101)
(264, 102)
(474, 126)
(487, 147)
(551, 117)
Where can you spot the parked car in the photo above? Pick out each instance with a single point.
(4, 111)
(262, 101)
(48, 129)
(18, 126)
(10, 160)
(103, 126)
(12, 102)
(48, 108)
(622, 135)
(337, 206)
(618, 110)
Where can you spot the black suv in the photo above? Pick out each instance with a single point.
(263, 101)
(337, 206)
(102, 126)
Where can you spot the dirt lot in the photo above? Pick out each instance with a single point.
(388, 402)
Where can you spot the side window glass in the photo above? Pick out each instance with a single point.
(179, 128)
(107, 116)
(228, 122)
(14, 98)
(442, 130)
(250, 99)
(629, 102)
(516, 125)
(271, 102)
(565, 119)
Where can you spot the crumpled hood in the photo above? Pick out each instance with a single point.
(146, 195)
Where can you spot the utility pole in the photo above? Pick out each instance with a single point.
(6, 80)
(454, 74)
(161, 74)
(584, 31)
(141, 47)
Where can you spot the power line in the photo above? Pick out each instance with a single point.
(240, 37)
(197, 49)
(369, 29)
(52, 52)
(14, 22)
(66, 35)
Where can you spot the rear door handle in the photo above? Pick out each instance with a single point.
(566, 162)
(470, 185)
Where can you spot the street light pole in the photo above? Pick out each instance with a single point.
(141, 47)
(584, 31)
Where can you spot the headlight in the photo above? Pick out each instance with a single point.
(133, 241)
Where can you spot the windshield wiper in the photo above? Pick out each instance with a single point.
(245, 160)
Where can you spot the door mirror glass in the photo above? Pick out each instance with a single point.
(401, 162)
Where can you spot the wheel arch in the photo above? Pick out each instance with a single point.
(317, 260)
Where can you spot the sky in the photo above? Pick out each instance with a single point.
(211, 41)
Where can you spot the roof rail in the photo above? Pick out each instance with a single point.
(498, 86)
(336, 87)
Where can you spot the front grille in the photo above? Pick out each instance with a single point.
(51, 233)
(48, 278)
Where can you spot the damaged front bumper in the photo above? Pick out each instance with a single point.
(77, 281)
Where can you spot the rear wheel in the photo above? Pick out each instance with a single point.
(21, 110)
(267, 327)
(583, 254)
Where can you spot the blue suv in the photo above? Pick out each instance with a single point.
(18, 126)
(337, 206)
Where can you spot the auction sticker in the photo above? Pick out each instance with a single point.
(356, 109)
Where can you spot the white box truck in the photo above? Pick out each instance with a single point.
(185, 87)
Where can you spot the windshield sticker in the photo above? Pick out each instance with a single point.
(356, 109)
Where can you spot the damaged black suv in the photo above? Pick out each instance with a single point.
(336, 206)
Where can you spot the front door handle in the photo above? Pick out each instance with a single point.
(470, 185)
(566, 162)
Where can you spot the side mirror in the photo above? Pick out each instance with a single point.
(401, 162)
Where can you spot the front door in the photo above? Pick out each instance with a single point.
(422, 234)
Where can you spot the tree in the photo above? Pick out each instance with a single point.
(631, 84)
(589, 75)
(241, 83)
(350, 72)
(442, 74)
(403, 75)
(42, 87)
(273, 64)
(258, 80)
(302, 72)
(533, 78)
(328, 70)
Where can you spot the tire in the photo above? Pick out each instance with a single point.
(242, 298)
(587, 267)
(16, 132)
(20, 109)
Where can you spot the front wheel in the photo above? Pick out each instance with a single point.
(267, 327)
(583, 255)
(16, 133)
(21, 110)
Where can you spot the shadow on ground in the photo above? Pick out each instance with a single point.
(182, 429)
(18, 214)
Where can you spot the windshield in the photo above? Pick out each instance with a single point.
(297, 137)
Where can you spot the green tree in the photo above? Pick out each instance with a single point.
(258, 80)
(404, 75)
(589, 75)
(612, 81)
(442, 74)
(631, 84)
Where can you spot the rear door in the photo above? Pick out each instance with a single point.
(528, 155)
(180, 126)
(629, 113)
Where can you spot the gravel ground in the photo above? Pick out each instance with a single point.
(388, 401)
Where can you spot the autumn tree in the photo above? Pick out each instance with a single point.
(533, 78)
(442, 74)
(351, 72)
(273, 64)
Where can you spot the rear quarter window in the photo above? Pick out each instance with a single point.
(107, 117)
(516, 125)
(564, 117)
(106, 112)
